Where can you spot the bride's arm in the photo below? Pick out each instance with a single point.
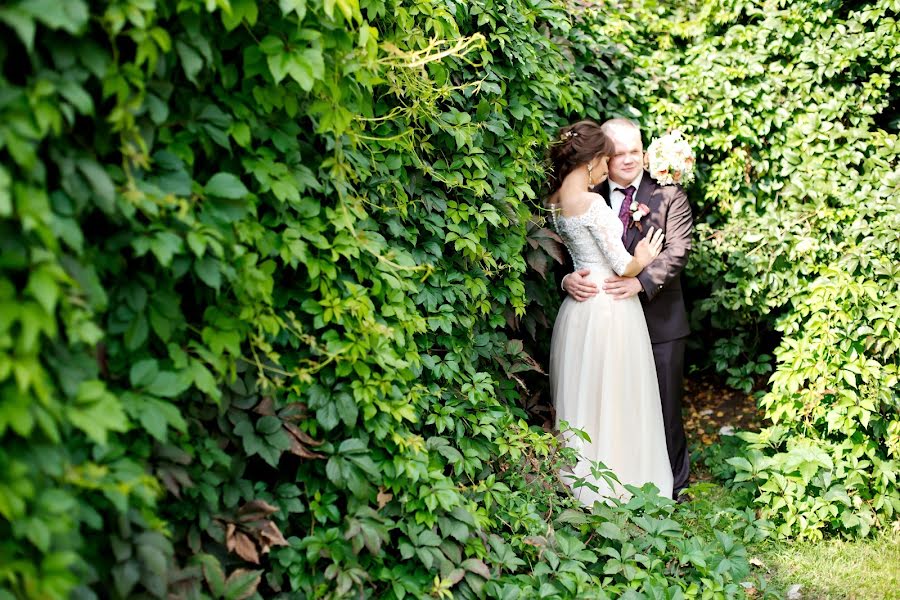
(605, 232)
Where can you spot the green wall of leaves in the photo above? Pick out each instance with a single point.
(793, 108)
(260, 262)
(262, 266)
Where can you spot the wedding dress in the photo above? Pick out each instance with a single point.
(602, 374)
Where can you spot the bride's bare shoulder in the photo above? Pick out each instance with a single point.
(575, 205)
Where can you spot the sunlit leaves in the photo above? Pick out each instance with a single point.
(226, 185)
(800, 239)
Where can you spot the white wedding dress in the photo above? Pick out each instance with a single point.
(602, 374)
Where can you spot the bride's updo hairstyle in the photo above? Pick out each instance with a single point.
(576, 144)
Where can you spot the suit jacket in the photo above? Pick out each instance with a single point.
(662, 298)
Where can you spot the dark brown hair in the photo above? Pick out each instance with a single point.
(575, 145)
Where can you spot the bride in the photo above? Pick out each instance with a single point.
(602, 375)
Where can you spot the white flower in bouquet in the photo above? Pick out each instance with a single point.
(671, 159)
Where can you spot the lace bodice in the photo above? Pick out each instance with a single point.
(593, 238)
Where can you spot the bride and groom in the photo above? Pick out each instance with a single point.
(617, 350)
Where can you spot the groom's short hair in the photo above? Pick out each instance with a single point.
(619, 122)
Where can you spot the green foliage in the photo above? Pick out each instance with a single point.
(792, 110)
(258, 261)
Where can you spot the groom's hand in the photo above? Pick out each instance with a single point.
(622, 287)
(578, 287)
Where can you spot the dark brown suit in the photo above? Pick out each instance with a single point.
(663, 304)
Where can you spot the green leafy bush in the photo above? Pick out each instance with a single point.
(793, 112)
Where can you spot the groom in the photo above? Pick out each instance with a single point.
(659, 285)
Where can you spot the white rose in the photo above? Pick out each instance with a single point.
(634, 205)
(637, 215)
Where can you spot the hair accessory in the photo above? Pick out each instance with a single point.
(569, 134)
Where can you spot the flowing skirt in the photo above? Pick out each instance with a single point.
(603, 381)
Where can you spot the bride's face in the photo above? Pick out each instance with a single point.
(628, 159)
(599, 168)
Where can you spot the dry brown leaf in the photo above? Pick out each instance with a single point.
(229, 537)
(383, 498)
(245, 548)
(297, 442)
(270, 536)
(169, 481)
(266, 407)
(256, 510)
(295, 411)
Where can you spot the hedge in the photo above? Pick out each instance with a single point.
(262, 272)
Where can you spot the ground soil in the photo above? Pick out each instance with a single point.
(709, 406)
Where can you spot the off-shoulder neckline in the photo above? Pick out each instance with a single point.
(558, 214)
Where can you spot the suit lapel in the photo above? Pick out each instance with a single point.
(645, 195)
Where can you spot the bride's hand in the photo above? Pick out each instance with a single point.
(649, 247)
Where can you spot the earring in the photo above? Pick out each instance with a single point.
(590, 175)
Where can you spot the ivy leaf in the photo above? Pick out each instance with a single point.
(97, 412)
(70, 16)
(143, 372)
(165, 245)
(156, 416)
(5, 192)
(43, 287)
(297, 6)
(346, 408)
(241, 584)
(213, 573)
(205, 381)
(191, 61)
(278, 66)
(304, 67)
(207, 268)
(167, 384)
(226, 185)
(327, 415)
(240, 10)
(22, 23)
(268, 425)
(125, 577)
(104, 190)
(137, 332)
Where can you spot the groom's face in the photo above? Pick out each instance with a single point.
(628, 159)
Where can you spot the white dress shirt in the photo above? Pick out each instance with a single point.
(616, 195)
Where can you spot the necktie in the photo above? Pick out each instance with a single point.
(625, 211)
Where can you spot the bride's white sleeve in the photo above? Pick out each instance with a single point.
(606, 229)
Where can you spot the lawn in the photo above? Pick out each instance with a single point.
(833, 569)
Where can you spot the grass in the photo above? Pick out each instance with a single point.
(866, 569)
(832, 569)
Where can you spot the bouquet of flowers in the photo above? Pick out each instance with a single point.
(670, 159)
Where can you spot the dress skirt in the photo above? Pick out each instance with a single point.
(603, 381)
